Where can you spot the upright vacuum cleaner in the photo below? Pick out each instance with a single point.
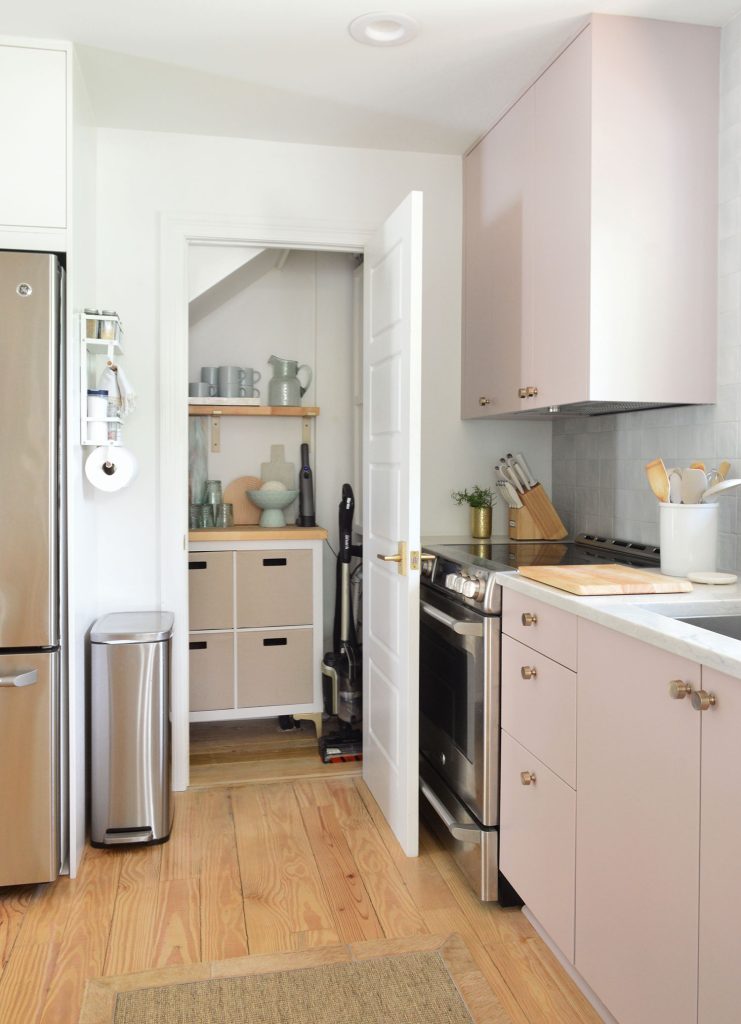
(342, 666)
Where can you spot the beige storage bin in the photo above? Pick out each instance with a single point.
(274, 588)
(274, 667)
(211, 671)
(211, 589)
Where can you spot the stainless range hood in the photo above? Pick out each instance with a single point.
(594, 409)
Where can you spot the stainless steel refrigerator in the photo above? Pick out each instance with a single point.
(31, 289)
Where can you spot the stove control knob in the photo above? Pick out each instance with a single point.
(474, 588)
(450, 581)
(458, 582)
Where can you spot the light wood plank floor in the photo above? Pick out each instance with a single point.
(261, 868)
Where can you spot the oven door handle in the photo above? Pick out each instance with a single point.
(463, 833)
(457, 625)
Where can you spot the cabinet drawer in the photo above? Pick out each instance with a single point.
(540, 711)
(274, 588)
(275, 667)
(537, 829)
(211, 671)
(540, 626)
(211, 589)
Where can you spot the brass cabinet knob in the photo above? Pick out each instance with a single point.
(702, 700)
(529, 619)
(483, 400)
(678, 689)
(532, 393)
(522, 393)
(528, 778)
(529, 672)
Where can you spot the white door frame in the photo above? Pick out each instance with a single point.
(176, 234)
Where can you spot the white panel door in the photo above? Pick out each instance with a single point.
(392, 345)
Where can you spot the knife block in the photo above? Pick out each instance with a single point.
(537, 519)
(522, 526)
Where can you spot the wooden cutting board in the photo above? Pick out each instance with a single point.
(245, 513)
(597, 580)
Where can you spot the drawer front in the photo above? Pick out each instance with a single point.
(539, 706)
(537, 841)
(540, 626)
(211, 671)
(274, 588)
(275, 667)
(211, 589)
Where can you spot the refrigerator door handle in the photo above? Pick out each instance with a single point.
(27, 678)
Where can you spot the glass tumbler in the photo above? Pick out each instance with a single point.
(205, 517)
(194, 516)
(212, 493)
(224, 515)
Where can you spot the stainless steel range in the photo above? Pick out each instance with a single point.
(459, 687)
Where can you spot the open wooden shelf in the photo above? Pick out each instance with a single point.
(253, 410)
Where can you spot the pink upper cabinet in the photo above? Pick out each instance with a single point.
(606, 277)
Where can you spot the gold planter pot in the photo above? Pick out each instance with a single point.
(481, 522)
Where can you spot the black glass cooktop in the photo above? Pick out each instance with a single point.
(585, 550)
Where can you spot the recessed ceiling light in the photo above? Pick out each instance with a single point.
(382, 29)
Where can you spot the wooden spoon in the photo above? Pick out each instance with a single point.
(723, 469)
(658, 479)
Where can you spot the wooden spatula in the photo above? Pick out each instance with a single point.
(658, 479)
(723, 469)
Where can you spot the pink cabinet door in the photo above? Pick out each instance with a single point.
(637, 834)
(496, 319)
(720, 853)
(561, 227)
(536, 840)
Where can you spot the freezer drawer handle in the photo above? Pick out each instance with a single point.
(197, 645)
(276, 641)
(27, 678)
(198, 565)
(463, 833)
(274, 561)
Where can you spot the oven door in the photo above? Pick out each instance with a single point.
(459, 700)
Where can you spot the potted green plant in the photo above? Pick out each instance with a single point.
(480, 500)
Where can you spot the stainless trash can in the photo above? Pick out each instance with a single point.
(130, 728)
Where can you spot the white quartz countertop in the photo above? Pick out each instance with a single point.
(648, 617)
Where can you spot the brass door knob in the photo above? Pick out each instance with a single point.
(678, 689)
(529, 672)
(528, 778)
(702, 700)
(529, 619)
(483, 400)
(532, 393)
(522, 393)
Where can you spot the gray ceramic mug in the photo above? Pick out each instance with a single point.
(210, 376)
(198, 389)
(231, 377)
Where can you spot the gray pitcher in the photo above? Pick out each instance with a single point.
(285, 388)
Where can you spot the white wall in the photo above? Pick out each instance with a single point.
(142, 175)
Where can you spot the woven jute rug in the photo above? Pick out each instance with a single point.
(429, 980)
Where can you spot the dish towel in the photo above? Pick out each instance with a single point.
(114, 381)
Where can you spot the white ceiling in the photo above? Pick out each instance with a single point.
(288, 69)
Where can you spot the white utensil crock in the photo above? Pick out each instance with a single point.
(688, 538)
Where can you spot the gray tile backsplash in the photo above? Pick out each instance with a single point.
(599, 480)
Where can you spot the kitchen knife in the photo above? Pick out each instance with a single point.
(503, 486)
(529, 475)
(517, 470)
(510, 475)
(510, 494)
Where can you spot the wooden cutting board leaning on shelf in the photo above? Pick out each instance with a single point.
(235, 493)
(602, 580)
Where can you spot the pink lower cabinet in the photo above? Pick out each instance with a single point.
(638, 829)
(720, 853)
(274, 667)
(537, 840)
(211, 671)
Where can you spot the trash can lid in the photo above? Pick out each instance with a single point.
(132, 627)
